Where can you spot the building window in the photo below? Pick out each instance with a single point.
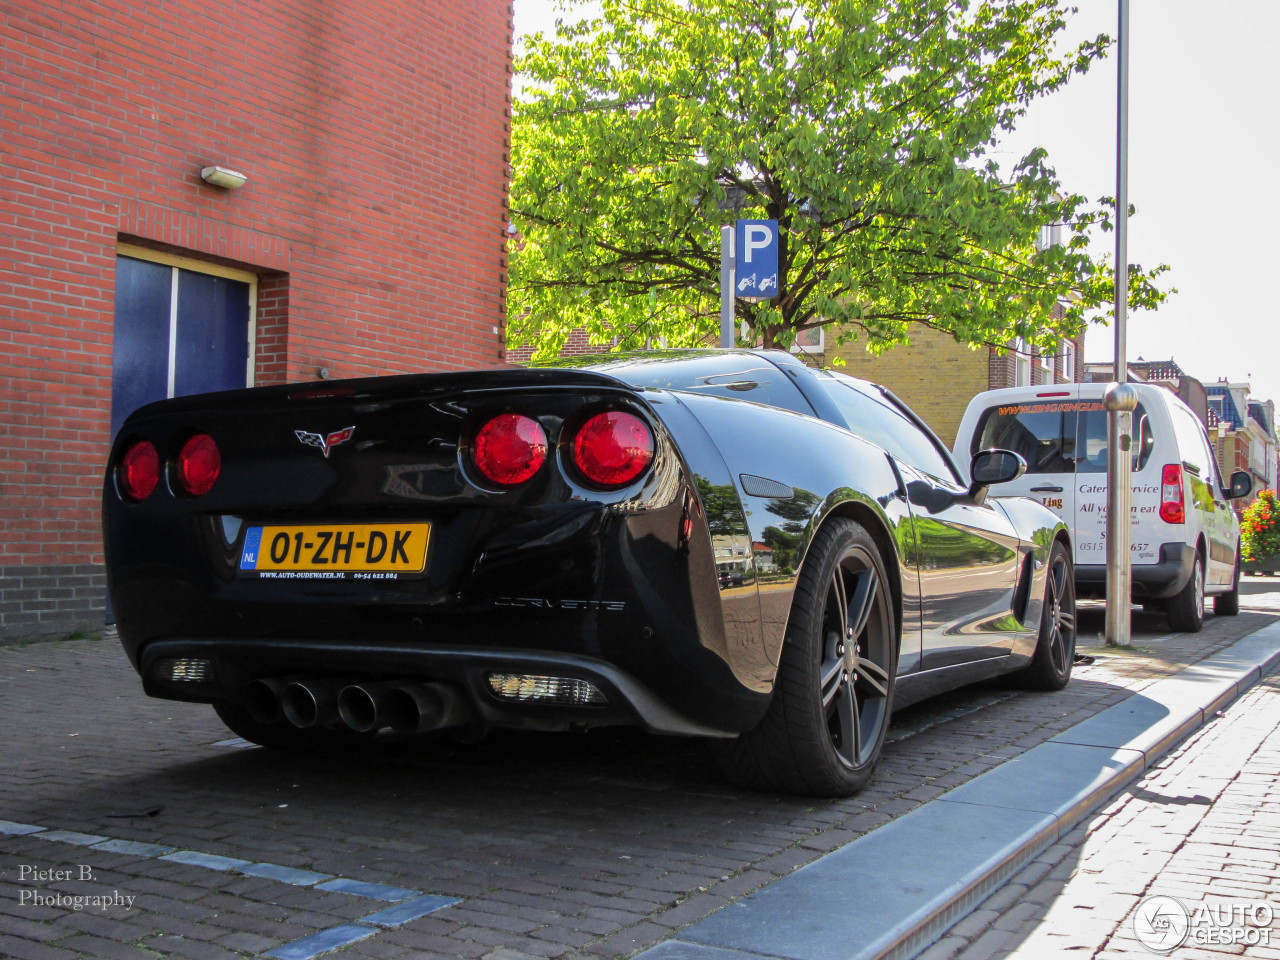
(812, 340)
(1050, 236)
(1046, 363)
(1069, 361)
(1021, 364)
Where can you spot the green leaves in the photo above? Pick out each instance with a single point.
(862, 127)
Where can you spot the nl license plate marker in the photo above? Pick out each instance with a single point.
(339, 551)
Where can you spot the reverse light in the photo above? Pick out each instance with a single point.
(184, 670)
(565, 691)
(198, 465)
(613, 448)
(510, 449)
(139, 471)
(1172, 508)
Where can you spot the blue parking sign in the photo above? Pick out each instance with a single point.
(756, 259)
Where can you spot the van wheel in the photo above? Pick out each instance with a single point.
(1186, 607)
(1228, 604)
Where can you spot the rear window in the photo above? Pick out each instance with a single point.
(1064, 437)
(737, 375)
(1092, 440)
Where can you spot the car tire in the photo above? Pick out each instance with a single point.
(826, 724)
(1228, 604)
(1050, 667)
(282, 735)
(1186, 607)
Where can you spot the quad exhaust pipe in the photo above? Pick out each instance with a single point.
(363, 707)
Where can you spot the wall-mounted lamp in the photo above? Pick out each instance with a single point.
(223, 177)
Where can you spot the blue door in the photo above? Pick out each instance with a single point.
(177, 332)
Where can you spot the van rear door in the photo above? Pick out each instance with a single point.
(1041, 427)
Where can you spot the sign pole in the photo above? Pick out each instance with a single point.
(728, 278)
(1120, 398)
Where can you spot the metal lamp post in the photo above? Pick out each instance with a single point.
(1120, 398)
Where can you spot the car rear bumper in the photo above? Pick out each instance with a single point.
(1150, 581)
(221, 670)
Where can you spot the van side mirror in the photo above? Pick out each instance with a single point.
(1241, 485)
(993, 466)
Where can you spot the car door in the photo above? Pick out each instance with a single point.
(967, 553)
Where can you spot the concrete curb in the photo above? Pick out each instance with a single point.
(896, 890)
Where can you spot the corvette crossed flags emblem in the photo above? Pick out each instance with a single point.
(325, 442)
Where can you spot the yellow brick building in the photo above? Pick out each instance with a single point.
(937, 376)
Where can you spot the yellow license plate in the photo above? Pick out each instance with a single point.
(337, 551)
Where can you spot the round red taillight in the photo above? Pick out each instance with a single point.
(198, 465)
(613, 448)
(510, 449)
(139, 471)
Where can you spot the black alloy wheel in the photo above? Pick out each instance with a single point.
(855, 678)
(826, 725)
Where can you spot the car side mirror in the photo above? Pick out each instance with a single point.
(993, 466)
(1241, 485)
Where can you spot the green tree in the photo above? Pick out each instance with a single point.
(862, 126)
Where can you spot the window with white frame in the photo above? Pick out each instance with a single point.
(810, 340)
(1069, 361)
(1050, 236)
(1021, 364)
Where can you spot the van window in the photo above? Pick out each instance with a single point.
(1042, 433)
(1091, 440)
(1063, 437)
(1193, 445)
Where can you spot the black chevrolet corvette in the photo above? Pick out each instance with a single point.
(725, 544)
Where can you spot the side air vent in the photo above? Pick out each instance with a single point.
(1022, 595)
(760, 487)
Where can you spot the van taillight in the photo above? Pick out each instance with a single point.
(1172, 509)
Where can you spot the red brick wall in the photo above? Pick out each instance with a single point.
(375, 139)
(578, 344)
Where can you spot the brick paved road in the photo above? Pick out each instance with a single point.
(591, 846)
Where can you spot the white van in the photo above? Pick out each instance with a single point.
(1185, 537)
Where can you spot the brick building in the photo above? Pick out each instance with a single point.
(1243, 431)
(368, 237)
(937, 376)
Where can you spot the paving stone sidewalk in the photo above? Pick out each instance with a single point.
(1202, 828)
